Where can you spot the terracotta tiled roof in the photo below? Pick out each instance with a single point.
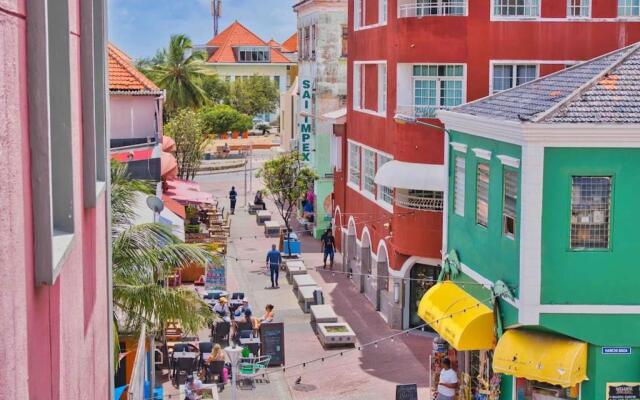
(123, 76)
(273, 43)
(291, 45)
(234, 35)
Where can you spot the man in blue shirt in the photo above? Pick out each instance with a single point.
(273, 262)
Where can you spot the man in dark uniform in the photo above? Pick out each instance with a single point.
(233, 195)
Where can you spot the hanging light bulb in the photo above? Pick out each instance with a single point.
(375, 345)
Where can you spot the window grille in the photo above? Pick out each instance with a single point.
(369, 173)
(590, 212)
(516, 8)
(441, 7)
(482, 195)
(578, 8)
(436, 86)
(629, 8)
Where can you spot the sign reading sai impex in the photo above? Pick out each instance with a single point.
(306, 137)
(616, 350)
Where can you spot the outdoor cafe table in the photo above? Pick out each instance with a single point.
(253, 343)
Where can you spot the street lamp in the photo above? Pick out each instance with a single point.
(233, 352)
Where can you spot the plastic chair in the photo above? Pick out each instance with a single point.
(250, 368)
(214, 372)
(186, 365)
(220, 333)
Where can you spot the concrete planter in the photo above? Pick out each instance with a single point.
(336, 334)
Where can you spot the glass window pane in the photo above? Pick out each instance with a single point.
(502, 77)
(385, 193)
(369, 173)
(590, 212)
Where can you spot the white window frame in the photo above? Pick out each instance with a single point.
(359, 15)
(388, 205)
(498, 17)
(367, 156)
(439, 80)
(382, 88)
(359, 92)
(514, 77)
(625, 6)
(382, 12)
(412, 8)
(583, 4)
(351, 174)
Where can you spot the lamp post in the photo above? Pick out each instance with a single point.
(233, 352)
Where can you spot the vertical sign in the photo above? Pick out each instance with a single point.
(305, 120)
(215, 278)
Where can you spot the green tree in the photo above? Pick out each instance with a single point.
(187, 130)
(222, 118)
(144, 255)
(254, 95)
(216, 89)
(178, 70)
(286, 179)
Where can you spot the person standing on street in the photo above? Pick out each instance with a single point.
(448, 382)
(328, 248)
(273, 262)
(233, 195)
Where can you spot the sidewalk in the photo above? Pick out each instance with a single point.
(368, 374)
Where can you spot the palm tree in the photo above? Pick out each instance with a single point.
(177, 69)
(144, 255)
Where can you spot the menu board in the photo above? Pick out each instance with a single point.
(272, 342)
(215, 278)
(407, 392)
(623, 391)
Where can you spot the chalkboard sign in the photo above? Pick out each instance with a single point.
(272, 342)
(407, 392)
(215, 278)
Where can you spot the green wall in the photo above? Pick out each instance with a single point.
(593, 276)
(486, 250)
(601, 329)
(603, 369)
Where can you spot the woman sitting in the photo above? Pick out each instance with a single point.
(217, 354)
(268, 315)
(259, 201)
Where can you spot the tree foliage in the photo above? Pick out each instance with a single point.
(216, 90)
(187, 130)
(223, 118)
(254, 95)
(144, 255)
(178, 70)
(286, 179)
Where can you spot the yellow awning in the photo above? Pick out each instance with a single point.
(541, 357)
(458, 317)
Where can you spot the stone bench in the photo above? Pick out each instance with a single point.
(262, 216)
(303, 280)
(334, 334)
(295, 270)
(272, 227)
(305, 296)
(254, 208)
(322, 314)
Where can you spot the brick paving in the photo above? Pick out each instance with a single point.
(371, 373)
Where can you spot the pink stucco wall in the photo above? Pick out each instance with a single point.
(54, 340)
(133, 116)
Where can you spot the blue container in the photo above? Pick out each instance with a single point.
(290, 246)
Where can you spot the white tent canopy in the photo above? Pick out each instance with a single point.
(406, 175)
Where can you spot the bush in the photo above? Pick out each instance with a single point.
(222, 118)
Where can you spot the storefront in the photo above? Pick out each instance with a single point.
(422, 279)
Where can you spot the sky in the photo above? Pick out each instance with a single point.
(140, 27)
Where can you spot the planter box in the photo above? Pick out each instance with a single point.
(336, 334)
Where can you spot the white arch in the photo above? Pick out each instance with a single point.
(382, 256)
(351, 226)
(337, 217)
(367, 243)
(405, 270)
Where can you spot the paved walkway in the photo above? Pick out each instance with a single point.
(368, 374)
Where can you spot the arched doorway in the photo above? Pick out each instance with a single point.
(423, 277)
(381, 272)
(349, 253)
(364, 261)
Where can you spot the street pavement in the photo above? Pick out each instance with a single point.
(371, 373)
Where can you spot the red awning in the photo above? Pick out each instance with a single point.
(168, 144)
(168, 165)
(187, 193)
(132, 155)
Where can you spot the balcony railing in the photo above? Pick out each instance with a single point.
(418, 202)
(416, 111)
(412, 9)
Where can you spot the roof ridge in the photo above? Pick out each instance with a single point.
(118, 58)
(626, 53)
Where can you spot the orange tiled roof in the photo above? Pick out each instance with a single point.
(234, 35)
(273, 43)
(291, 45)
(123, 76)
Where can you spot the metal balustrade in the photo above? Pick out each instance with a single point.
(419, 202)
(412, 9)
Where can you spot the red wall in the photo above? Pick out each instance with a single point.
(474, 40)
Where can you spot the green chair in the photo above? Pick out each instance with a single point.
(250, 368)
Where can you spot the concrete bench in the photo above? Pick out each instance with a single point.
(303, 280)
(305, 296)
(262, 216)
(254, 208)
(295, 270)
(272, 228)
(336, 334)
(322, 314)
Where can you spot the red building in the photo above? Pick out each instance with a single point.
(408, 58)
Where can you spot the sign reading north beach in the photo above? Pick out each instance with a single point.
(306, 137)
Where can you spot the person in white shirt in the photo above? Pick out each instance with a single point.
(222, 308)
(193, 389)
(448, 382)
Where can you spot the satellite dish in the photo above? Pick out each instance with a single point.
(155, 204)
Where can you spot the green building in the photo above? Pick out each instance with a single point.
(544, 186)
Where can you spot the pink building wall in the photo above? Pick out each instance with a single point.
(54, 340)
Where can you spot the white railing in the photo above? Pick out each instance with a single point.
(139, 373)
(412, 9)
(419, 203)
(416, 111)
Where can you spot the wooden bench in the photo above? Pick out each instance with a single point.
(323, 313)
(262, 216)
(272, 227)
(305, 296)
(303, 280)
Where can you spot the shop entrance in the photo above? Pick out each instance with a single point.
(418, 288)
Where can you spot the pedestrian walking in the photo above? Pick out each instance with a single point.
(448, 382)
(273, 262)
(328, 248)
(233, 196)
